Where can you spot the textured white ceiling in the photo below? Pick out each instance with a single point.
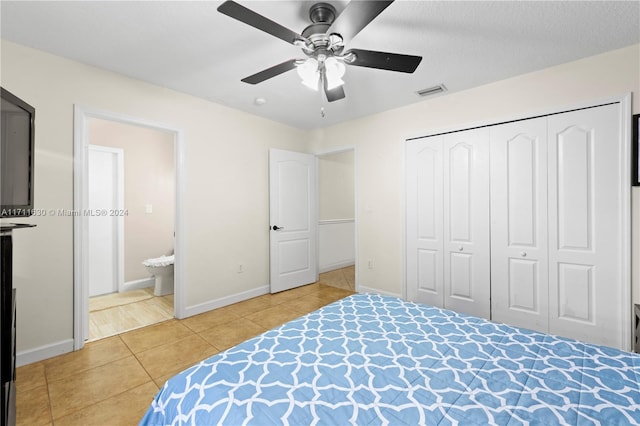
(190, 47)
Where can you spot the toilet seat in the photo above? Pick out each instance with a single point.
(159, 261)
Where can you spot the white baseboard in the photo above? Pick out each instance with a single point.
(43, 352)
(136, 284)
(334, 266)
(364, 289)
(224, 301)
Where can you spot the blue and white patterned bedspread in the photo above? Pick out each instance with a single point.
(371, 359)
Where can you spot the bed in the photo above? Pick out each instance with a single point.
(371, 359)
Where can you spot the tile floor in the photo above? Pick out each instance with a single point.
(113, 380)
(116, 313)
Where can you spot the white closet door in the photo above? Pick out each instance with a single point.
(424, 233)
(585, 284)
(466, 222)
(519, 267)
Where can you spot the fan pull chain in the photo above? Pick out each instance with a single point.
(322, 95)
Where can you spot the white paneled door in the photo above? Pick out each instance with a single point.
(467, 286)
(519, 266)
(293, 222)
(448, 221)
(106, 194)
(585, 225)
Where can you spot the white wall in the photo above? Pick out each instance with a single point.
(336, 186)
(380, 143)
(226, 198)
(227, 224)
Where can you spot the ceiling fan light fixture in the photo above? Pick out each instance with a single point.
(334, 71)
(308, 72)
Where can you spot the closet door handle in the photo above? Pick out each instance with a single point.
(461, 248)
(277, 228)
(523, 253)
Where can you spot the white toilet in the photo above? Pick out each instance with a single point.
(162, 269)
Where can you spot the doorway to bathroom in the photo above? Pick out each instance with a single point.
(126, 225)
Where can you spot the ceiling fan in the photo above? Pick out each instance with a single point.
(323, 42)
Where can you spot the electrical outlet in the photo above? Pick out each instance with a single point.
(370, 263)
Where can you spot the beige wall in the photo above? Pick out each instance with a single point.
(335, 186)
(226, 179)
(225, 197)
(149, 179)
(379, 141)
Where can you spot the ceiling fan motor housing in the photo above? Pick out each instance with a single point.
(322, 16)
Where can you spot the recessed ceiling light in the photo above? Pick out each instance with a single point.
(260, 101)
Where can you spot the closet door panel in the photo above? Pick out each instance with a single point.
(585, 158)
(519, 268)
(424, 221)
(466, 222)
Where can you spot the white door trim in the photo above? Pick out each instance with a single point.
(80, 241)
(119, 153)
(355, 198)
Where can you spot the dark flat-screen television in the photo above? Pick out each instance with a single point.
(16, 156)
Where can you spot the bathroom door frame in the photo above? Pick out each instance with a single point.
(80, 224)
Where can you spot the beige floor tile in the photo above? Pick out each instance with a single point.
(81, 390)
(308, 303)
(32, 407)
(31, 376)
(93, 355)
(174, 357)
(166, 303)
(98, 303)
(109, 322)
(126, 408)
(210, 319)
(155, 335)
(334, 278)
(225, 336)
(273, 317)
(251, 306)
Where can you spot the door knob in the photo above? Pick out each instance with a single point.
(460, 248)
(277, 228)
(523, 254)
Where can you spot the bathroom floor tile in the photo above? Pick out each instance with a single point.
(225, 336)
(81, 390)
(155, 335)
(126, 408)
(119, 319)
(176, 356)
(98, 303)
(94, 354)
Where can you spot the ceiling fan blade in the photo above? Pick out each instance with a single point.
(356, 16)
(384, 60)
(249, 17)
(270, 72)
(334, 94)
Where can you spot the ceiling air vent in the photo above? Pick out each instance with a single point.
(432, 90)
